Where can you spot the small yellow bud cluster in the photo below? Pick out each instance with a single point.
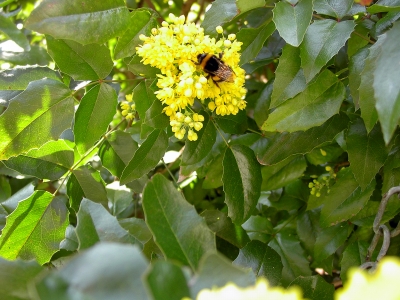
(321, 182)
(128, 108)
(188, 122)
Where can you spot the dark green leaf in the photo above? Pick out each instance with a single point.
(70, 243)
(333, 8)
(356, 65)
(93, 22)
(244, 5)
(263, 260)
(81, 62)
(155, 117)
(261, 109)
(23, 234)
(233, 123)
(43, 111)
(8, 28)
(36, 56)
(308, 228)
(384, 6)
(137, 228)
(213, 177)
(144, 97)
(357, 38)
(314, 287)
(146, 157)
(242, 182)
(178, 230)
(220, 12)
(137, 68)
(353, 256)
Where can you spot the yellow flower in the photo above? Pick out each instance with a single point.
(382, 284)
(128, 108)
(173, 48)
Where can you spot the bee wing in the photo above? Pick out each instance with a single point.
(224, 72)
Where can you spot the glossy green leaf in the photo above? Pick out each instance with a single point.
(242, 182)
(220, 12)
(195, 151)
(308, 228)
(15, 277)
(258, 228)
(322, 41)
(81, 62)
(146, 157)
(262, 259)
(263, 103)
(289, 80)
(95, 224)
(94, 22)
(330, 239)
(216, 271)
(144, 96)
(345, 200)
(317, 103)
(105, 271)
(51, 161)
(45, 108)
(353, 256)
(253, 39)
(117, 151)
(284, 145)
(357, 38)
(8, 28)
(86, 182)
(223, 227)
(333, 8)
(386, 78)
(12, 54)
(324, 154)
(93, 116)
(234, 124)
(213, 177)
(244, 5)
(141, 22)
(314, 287)
(155, 117)
(166, 281)
(356, 66)
(70, 243)
(23, 234)
(137, 68)
(292, 255)
(367, 152)
(384, 6)
(292, 20)
(137, 228)
(178, 230)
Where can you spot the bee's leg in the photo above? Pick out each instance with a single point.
(220, 55)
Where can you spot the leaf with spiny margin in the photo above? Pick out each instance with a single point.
(51, 161)
(23, 236)
(35, 116)
(178, 230)
(146, 157)
(81, 62)
(289, 77)
(320, 100)
(8, 28)
(314, 287)
(367, 152)
(263, 260)
(85, 23)
(323, 39)
(333, 8)
(292, 20)
(242, 182)
(220, 12)
(94, 114)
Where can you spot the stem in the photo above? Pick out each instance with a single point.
(364, 37)
(253, 131)
(170, 173)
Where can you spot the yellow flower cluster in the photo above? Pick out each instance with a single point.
(128, 108)
(173, 48)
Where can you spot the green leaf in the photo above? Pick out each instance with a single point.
(221, 11)
(263, 260)
(94, 22)
(367, 152)
(105, 271)
(166, 281)
(233, 124)
(141, 22)
(289, 77)
(357, 38)
(146, 157)
(261, 109)
(223, 227)
(86, 182)
(314, 287)
(70, 243)
(386, 77)
(137, 228)
(178, 230)
(36, 56)
(322, 41)
(353, 256)
(258, 228)
(242, 182)
(45, 108)
(144, 96)
(284, 145)
(356, 66)
(213, 177)
(8, 28)
(155, 117)
(317, 103)
(81, 62)
(253, 39)
(292, 255)
(23, 234)
(244, 5)
(117, 151)
(138, 68)
(93, 116)
(330, 239)
(384, 6)
(51, 161)
(195, 151)
(308, 228)
(15, 277)
(96, 224)
(345, 200)
(216, 271)
(333, 8)
(292, 20)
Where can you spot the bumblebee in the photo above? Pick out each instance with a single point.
(215, 68)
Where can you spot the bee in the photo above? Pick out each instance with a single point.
(215, 68)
